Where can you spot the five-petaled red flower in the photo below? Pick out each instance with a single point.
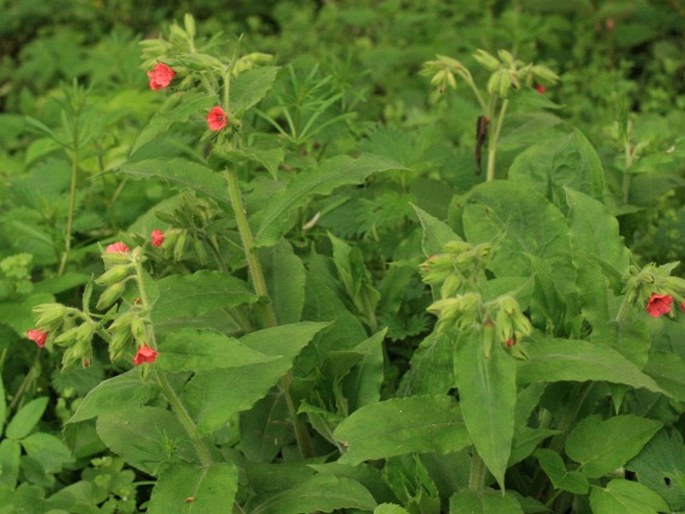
(216, 119)
(157, 237)
(540, 89)
(659, 304)
(145, 355)
(160, 76)
(117, 247)
(37, 336)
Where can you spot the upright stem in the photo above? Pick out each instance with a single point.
(259, 283)
(493, 139)
(477, 472)
(72, 200)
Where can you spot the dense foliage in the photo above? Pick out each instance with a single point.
(362, 256)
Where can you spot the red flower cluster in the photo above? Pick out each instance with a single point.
(117, 247)
(160, 76)
(540, 89)
(216, 119)
(157, 237)
(145, 355)
(37, 336)
(660, 304)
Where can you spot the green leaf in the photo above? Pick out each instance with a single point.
(668, 370)
(321, 493)
(192, 350)
(400, 426)
(436, 233)
(26, 419)
(148, 438)
(185, 299)
(264, 428)
(487, 396)
(19, 315)
(3, 406)
(10, 453)
(285, 277)
(661, 467)
(47, 449)
(601, 446)
(55, 285)
(363, 385)
(250, 86)
(555, 469)
(487, 502)
(389, 508)
(118, 393)
(180, 173)
(557, 360)
(186, 489)
(553, 165)
(621, 496)
(178, 108)
(432, 367)
(335, 172)
(206, 394)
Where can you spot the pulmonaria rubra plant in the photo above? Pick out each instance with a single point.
(659, 304)
(216, 119)
(160, 76)
(37, 336)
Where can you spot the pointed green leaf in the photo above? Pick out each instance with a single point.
(186, 489)
(338, 171)
(250, 86)
(557, 360)
(265, 427)
(193, 350)
(487, 396)
(389, 508)
(432, 367)
(47, 449)
(321, 493)
(400, 426)
(3, 406)
(26, 419)
(555, 469)
(180, 173)
(363, 385)
(487, 502)
(436, 233)
(285, 277)
(118, 393)
(10, 454)
(668, 370)
(622, 496)
(601, 446)
(283, 340)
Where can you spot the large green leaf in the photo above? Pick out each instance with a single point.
(185, 489)
(553, 165)
(214, 396)
(601, 446)
(556, 360)
(10, 454)
(622, 496)
(265, 427)
(148, 438)
(26, 418)
(321, 493)
(3, 406)
(486, 502)
(180, 173)
(335, 172)
(661, 467)
(177, 108)
(487, 396)
(400, 426)
(185, 299)
(554, 467)
(285, 277)
(193, 350)
(363, 385)
(668, 370)
(121, 392)
(47, 449)
(432, 366)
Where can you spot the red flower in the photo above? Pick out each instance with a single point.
(160, 76)
(659, 304)
(216, 119)
(37, 336)
(117, 247)
(157, 237)
(540, 89)
(510, 342)
(145, 355)
(682, 306)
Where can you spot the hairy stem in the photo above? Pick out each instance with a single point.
(72, 199)
(493, 139)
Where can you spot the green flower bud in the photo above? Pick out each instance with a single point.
(110, 295)
(487, 60)
(67, 337)
(115, 274)
(138, 329)
(50, 315)
(85, 332)
(544, 74)
(122, 322)
(451, 285)
(119, 344)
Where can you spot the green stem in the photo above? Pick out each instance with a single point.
(627, 175)
(169, 393)
(185, 419)
(259, 284)
(72, 201)
(25, 384)
(492, 141)
(477, 473)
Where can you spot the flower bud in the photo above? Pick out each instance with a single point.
(115, 274)
(67, 337)
(110, 295)
(119, 344)
(50, 315)
(122, 322)
(138, 329)
(451, 285)
(85, 332)
(487, 60)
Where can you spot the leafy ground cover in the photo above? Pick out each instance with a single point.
(359, 256)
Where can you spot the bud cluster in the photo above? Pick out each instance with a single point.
(508, 72)
(654, 287)
(459, 266)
